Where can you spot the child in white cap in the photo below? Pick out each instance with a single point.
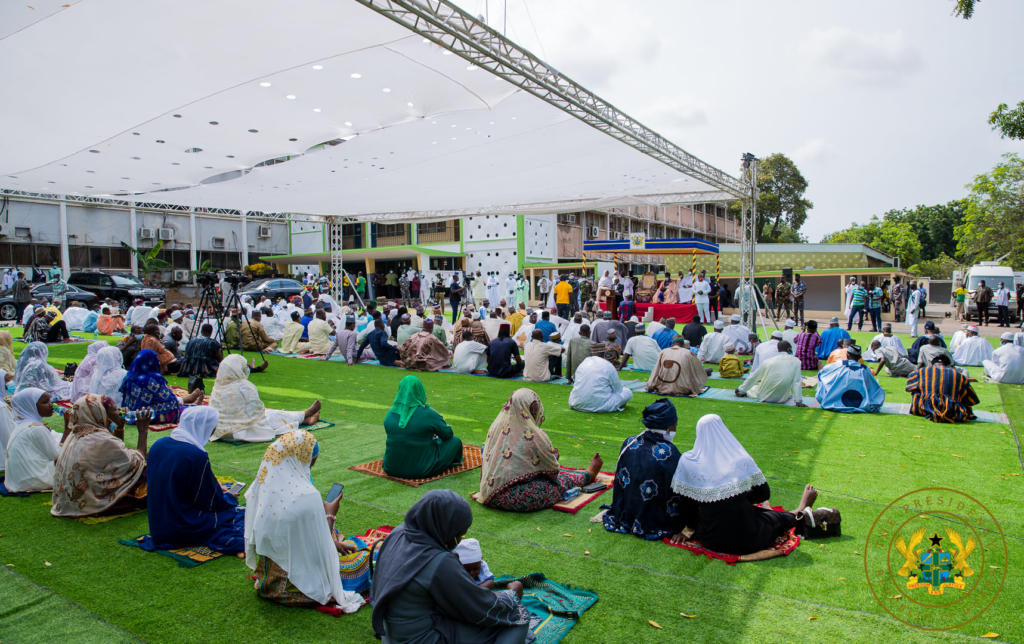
(471, 557)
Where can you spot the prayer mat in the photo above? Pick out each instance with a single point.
(186, 557)
(108, 517)
(783, 545)
(322, 424)
(470, 461)
(355, 567)
(554, 609)
(5, 492)
(573, 506)
(641, 387)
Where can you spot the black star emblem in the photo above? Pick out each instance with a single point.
(936, 540)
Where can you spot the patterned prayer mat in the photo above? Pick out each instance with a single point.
(5, 492)
(186, 557)
(107, 517)
(641, 387)
(470, 461)
(573, 506)
(783, 545)
(322, 424)
(355, 567)
(554, 609)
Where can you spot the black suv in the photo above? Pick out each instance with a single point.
(272, 287)
(120, 287)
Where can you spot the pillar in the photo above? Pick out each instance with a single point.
(65, 253)
(133, 234)
(245, 238)
(193, 259)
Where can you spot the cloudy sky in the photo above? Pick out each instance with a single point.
(882, 103)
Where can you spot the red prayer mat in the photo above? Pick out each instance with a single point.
(784, 545)
(470, 461)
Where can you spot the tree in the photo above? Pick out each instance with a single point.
(781, 204)
(787, 235)
(1009, 123)
(940, 268)
(148, 261)
(994, 222)
(933, 226)
(894, 238)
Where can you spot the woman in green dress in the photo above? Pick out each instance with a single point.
(419, 444)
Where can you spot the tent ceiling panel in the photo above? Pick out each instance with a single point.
(182, 103)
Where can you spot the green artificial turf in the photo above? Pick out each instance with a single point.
(860, 463)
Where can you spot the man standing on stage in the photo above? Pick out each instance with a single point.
(797, 292)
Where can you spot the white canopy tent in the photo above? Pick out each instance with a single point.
(366, 109)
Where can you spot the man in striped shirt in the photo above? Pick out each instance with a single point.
(858, 306)
(941, 393)
(807, 346)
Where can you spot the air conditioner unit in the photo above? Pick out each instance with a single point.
(264, 232)
(180, 276)
(145, 233)
(6, 230)
(166, 234)
(218, 242)
(570, 219)
(594, 230)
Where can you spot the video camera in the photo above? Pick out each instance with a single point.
(207, 279)
(236, 279)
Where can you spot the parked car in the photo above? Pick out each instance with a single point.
(124, 288)
(8, 311)
(272, 287)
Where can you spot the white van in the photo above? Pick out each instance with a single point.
(991, 273)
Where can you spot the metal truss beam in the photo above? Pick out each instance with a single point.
(113, 202)
(748, 243)
(457, 31)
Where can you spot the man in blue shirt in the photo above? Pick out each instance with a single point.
(858, 306)
(875, 307)
(831, 339)
(306, 319)
(664, 336)
(545, 325)
(500, 353)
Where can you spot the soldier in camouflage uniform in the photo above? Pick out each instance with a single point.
(782, 293)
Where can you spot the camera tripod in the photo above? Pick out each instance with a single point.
(210, 297)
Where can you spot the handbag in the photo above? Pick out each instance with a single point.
(69, 370)
(820, 523)
(196, 382)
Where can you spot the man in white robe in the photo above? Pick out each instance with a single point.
(789, 332)
(493, 288)
(958, 338)
(738, 334)
(775, 381)
(643, 349)
(1007, 363)
(850, 287)
(509, 294)
(571, 330)
(886, 339)
(653, 327)
(913, 309)
(766, 350)
(479, 288)
(525, 332)
(491, 325)
(712, 347)
(597, 389)
(627, 287)
(685, 289)
(973, 351)
(560, 323)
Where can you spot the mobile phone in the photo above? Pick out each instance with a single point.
(335, 492)
(594, 487)
(236, 488)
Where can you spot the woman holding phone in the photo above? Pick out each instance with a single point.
(188, 507)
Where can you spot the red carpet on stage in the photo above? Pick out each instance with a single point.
(681, 312)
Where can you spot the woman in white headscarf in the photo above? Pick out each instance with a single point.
(187, 506)
(83, 375)
(7, 422)
(96, 473)
(243, 417)
(726, 495)
(34, 371)
(290, 542)
(108, 374)
(33, 448)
